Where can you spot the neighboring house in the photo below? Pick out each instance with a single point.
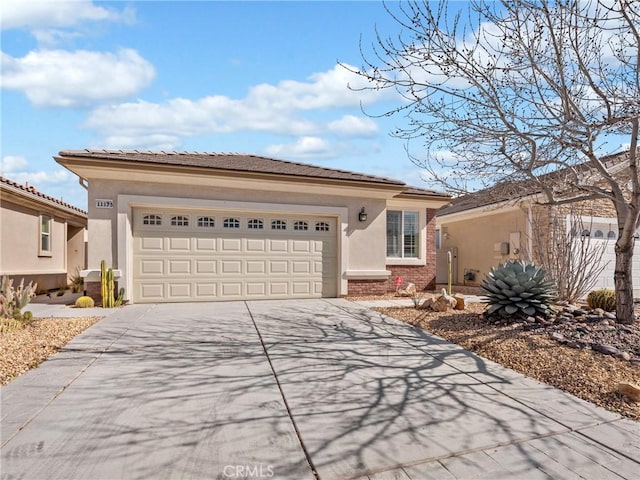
(181, 227)
(42, 239)
(482, 229)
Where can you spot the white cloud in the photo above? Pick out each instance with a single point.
(42, 177)
(58, 78)
(277, 109)
(38, 14)
(13, 163)
(144, 142)
(305, 147)
(352, 126)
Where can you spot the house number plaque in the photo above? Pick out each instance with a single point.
(104, 203)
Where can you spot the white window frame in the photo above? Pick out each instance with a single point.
(421, 258)
(42, 252)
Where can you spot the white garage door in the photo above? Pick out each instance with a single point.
(183, 256)
(604, 231)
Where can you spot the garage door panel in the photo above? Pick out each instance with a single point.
(278, 267)
(152, 291)
(230, 267)
(256, 245)
(152, 244)
(256, 289)
(179, 290)
(188, 263)
(208, 290)
(278, 246)
(179, 244)
(231, 289)
(206, 245)
(151, 267)
(206, 267)
(179, 267)
(256, 267)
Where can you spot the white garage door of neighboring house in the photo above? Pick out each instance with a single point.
(182, 256)
(605, 231)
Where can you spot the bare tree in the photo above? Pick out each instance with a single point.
(512, 91)
(569, 255)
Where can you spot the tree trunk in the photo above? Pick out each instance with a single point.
(623, 283)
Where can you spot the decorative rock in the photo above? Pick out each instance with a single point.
(573, 344)
(558, 337)
(626, 356)
(598, 311)
(609, 315)
(606, 349)
(530, 320)
(630, 390)
(604, 322)
(579, 312)
(459, 301)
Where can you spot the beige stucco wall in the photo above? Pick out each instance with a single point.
(19, 244)
(366, 240)
(477, 240)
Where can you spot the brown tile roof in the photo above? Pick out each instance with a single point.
(424, 192)
(515, 190)
(231, 162)
(32, 192)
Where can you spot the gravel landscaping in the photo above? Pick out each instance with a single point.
(31, 345)
(561, 353)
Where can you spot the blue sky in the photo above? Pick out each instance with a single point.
(251, 77)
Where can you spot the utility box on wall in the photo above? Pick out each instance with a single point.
(504, 248)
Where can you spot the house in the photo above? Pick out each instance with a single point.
(506, 222)
(42, 239)
(182, 227)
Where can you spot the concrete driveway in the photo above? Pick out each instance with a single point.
(293, 390)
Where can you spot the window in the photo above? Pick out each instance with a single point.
(45, 235)
(279, 225)
(206, 222)
(438, 239)
(611, 234)
(322, 227)
(180, 221)
(152, 220)
(403, 234)
(255, 224)
(231, 222)
(301, 225)
(599, 234)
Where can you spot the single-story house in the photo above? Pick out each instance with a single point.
(504, 222)
(42, 238)
(182, 227)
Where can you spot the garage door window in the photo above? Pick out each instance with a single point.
(231, 222)
(322, 227)
(152, 220)
(255, 224)
(180, 221)
(278, 225)
(301, 225)
(206, 222)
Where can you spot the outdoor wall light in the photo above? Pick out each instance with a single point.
(362, 216)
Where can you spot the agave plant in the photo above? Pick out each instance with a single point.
(515, 287)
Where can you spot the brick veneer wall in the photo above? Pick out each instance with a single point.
(423, 276)
(94, 291)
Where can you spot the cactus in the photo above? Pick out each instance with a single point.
(110, 288)
(27, 317)
(103, 283)
(602, 298)
(120, 298)
(518, 288)
(85, 302)
(12, 299)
